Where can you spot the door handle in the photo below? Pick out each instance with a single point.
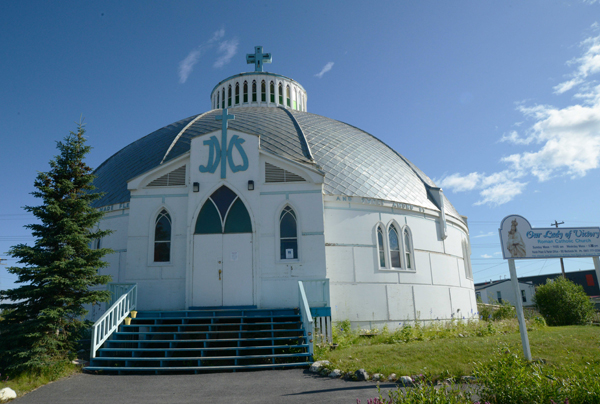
(220, 274)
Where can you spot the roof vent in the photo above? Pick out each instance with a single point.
(174, 178)
(277, 174)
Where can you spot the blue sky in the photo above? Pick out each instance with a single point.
(498, 102)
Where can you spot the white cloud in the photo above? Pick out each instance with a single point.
(486, 256)
(563, 141)
(484, 235)
(589, 64)
(459, 183)
(501, 193)
(325, 69)
(227, 49)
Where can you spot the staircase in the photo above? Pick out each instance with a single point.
(205, 340)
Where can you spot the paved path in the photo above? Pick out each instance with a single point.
(264, 387)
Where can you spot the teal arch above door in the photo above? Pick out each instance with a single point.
(222, 213)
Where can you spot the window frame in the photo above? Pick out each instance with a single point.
(152, 250)
(403, 249)
(278, 258)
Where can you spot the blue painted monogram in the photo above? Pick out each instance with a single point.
(223, 153)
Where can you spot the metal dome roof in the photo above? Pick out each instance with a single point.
(355, 163)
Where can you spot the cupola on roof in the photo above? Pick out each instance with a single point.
(258, 88)
(354, 162)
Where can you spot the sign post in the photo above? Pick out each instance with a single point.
(520, 241)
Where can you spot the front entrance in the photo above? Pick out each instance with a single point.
(222, 272)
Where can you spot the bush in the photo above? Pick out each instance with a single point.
(562, 302)
(508, 379)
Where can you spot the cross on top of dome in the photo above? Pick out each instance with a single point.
(258, 58)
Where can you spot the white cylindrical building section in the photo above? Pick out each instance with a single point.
(259, 89)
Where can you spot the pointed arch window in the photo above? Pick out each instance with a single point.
(223, 212)
(162, 237)
(280, 93)
(253, 90)
(263, 91)
(218, 100)
(223, 98)
(229, 96)
(408, 254)
(272, 91)
(380, 246)
(395, 252)
(394, 244)
(245, 91)
(237, 93)
(287, 95)
(288, 234)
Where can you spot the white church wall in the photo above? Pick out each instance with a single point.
(444, 270)
(434, 289)
(432, 302)
(360, 303)
(367, 268)
(422, 275)
(400, 303)
(160, 284)
(424, 230)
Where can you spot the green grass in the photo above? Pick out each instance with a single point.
(26, 382)
(438, 350)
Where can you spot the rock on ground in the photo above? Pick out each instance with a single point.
(406, 381)
(7, 393)
(392, 377)
(336, 373)
(361, 375)
(378, 377)
(316, 366)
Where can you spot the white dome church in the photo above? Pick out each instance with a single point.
(234, 206)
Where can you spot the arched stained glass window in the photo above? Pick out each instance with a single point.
(408, 249)
(237, 93)
(218, 100)
(394, 247)
(229, 96)
(253, 90)
(272, 88)
(245, 91)
(223, 98)
(280, 93)
(263, 91)
(223, 212)
(162, 237)
(288, 234)
(287, 94)
(381, 247)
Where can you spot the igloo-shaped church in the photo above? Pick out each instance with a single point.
(234, 206)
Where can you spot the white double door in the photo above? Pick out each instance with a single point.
(222, 274)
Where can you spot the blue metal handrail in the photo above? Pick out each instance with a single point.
(307, 320)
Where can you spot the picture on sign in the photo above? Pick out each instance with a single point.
(520, 241)
(289, 253)
(234, 256)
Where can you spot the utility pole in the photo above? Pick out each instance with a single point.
(562, 264)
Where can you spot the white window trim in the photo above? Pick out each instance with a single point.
(151, 261)
(278, 258)
(386, 247)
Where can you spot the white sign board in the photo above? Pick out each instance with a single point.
(520, 241)
(289, 253)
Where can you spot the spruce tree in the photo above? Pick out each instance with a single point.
(45, 317)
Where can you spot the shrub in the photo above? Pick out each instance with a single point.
(562, 302)
(508, 378)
